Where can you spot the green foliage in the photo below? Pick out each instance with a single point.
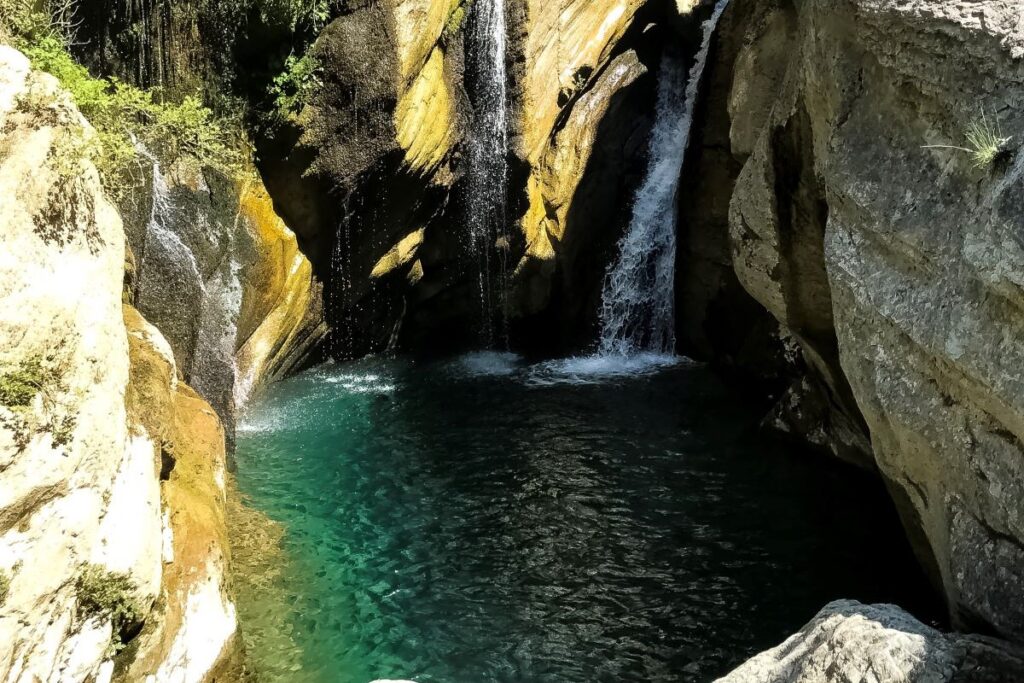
(24, 19)
(985, 142)
(19, 386)
(111, 595)
(5, 587)
(292, 87)
(122, 114)
(456, 20)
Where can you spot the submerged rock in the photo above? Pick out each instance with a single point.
(848, 642)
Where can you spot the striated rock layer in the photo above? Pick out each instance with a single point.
(893, 260)
(111, 468)
(212, 265)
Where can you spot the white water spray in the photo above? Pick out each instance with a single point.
(488, 164)
(638, 302)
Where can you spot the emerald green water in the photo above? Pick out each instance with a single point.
(482, 520)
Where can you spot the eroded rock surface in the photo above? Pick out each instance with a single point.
(848, 642)
(109, 464)
(212, 263)
(893, 260)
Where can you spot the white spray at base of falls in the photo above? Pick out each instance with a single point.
(487, 192)
(638, 301)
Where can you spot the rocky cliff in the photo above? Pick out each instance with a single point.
(221, 276)
(867, 193)
(113, 547)
(372, 173)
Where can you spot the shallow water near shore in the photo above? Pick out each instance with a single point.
(481, 519)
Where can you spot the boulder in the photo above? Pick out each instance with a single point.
(848, 642)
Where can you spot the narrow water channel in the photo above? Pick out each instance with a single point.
(483, 520)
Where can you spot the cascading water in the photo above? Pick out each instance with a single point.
(199, 261)
(487, 196)
(158, 234)
(638, 302)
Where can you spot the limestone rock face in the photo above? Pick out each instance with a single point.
(586, 107)
(212, 263)
(374, 181)
(895, 263)
(848, 642)
(92, 414)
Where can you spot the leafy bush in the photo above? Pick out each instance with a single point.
(111, 595)
(292, 87)
(19, 386)
(122, 114)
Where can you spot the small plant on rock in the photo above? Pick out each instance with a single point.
(19, 385)
(109, 595)
(985, 143)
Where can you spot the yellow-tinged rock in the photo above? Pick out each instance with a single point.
(400, 254)
(565, 38)
(425, 118)
(280, 314)
(196, 633)
(419, 25)
(554, 180)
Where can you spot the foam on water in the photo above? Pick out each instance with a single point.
(600, 368)
(487, 364)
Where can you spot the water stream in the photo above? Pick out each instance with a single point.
(638, 301)
(482, 520)
(487, 172)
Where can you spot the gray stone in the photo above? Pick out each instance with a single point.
(848, 642)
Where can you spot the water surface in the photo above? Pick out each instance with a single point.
(481, 520)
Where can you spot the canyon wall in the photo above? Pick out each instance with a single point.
(891, 258)
(217, 271)
(113, 548)
(372, 173)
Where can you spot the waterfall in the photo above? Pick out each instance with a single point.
(638, 301)
(487, 191)
(184, 256)
(158, 232)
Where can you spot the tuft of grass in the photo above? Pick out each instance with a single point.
(110, 595)
(985, 142)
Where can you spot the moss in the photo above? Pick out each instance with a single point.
(5, 587)
(110, 595)
(456, 20)
(19, 386)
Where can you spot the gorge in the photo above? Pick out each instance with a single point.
(494, 340)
